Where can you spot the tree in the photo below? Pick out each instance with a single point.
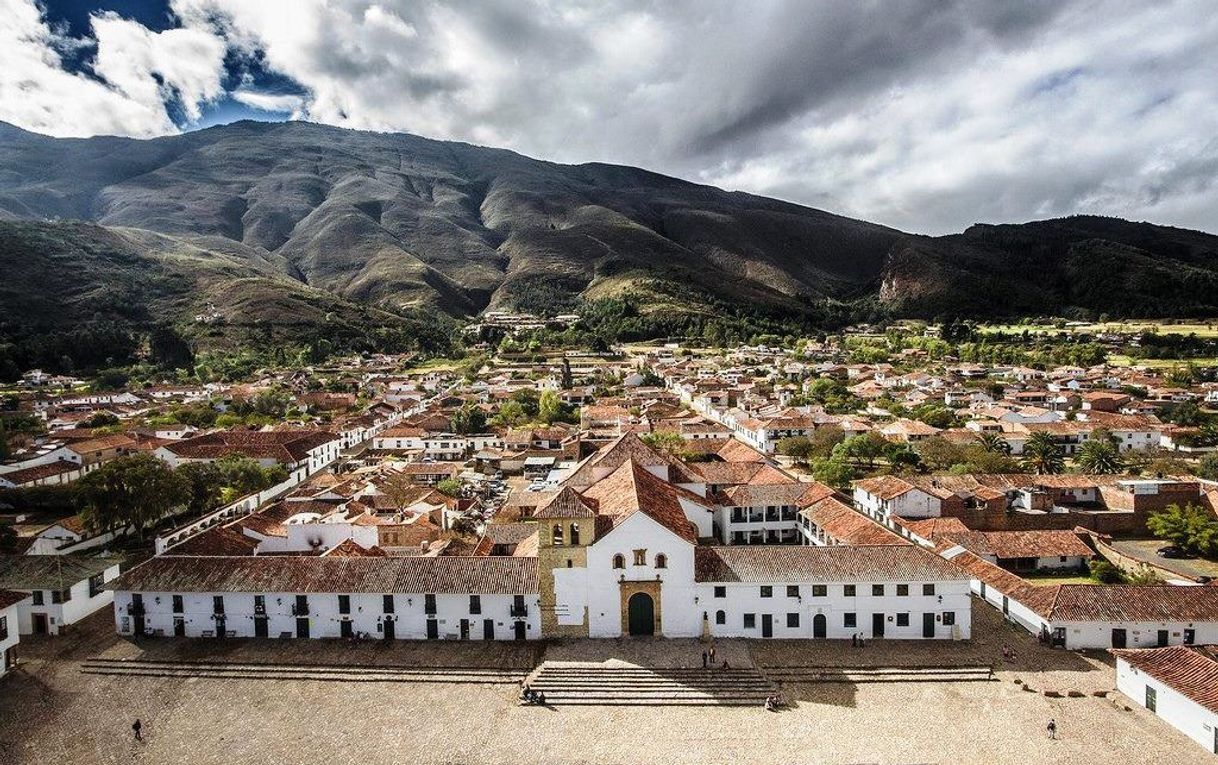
(834, 472)
(666, 442)
(510, 413)
(1042, 455)
(1208, 466)
(566, 380)
(865, 449)
(450, 487)
(1100, 455)
(528, 400)
(799, 447)
(823, 439)
(202, 483)
(137, 490)
(993, 442)
(1192, 527)
(1105, 573)
(399, 489)
(551, 408)
(469, 418)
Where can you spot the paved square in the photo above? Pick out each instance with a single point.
(51, 712)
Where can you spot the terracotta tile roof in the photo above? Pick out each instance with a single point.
(350, 549)
(286, 446)
(50, 572)
(844, 563)
(567, 503)
(1191, 671)
(308, 574)
(9, 598)
(1038, 599)
(625, 448)
(884, 486)
(1021, 544)
(749, 495)
(223, 540)
(39, 472)
(932, 528)
(632, 489)
(848, 526)
(1135, 603)
(510, 533)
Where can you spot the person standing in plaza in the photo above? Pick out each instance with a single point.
(1052, 728)
(704, 656)
(136, 727)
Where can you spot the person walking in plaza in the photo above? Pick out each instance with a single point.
(712, 654)
(1052, 728)
(137, 726)
(704, 657)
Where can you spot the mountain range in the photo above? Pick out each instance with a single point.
(279, 223)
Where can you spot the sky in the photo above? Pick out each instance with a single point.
(925, 115)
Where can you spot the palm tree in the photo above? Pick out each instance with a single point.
(1100, 456)
(1042, 455)
(993, 442)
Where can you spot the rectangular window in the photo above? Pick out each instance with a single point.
(792, 590)
(949, 618)
(848, 590)
(95, 585)
(177, 603)
(344, 604)
(850, 620)
(793, 620)
(56, 596)
(3, 628)
(928, 589)
(387, 603)
(750, 621)
(902, 590)
(902, 620)
(767, 591)
(1152, 699)
(217, 604)
(720, 592)
(475, 604)
(302, 605)
(820, 590)
(37, 597)
(877, 590)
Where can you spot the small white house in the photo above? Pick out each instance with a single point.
(10, 601)
(1178, 684)
(63, 589)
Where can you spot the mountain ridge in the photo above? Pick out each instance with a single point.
(402, 223)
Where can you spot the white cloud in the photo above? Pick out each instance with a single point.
(922, 114)
(269, 102)
(124, 97)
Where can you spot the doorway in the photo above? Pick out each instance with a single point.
(261, 629)
(1118, 638)
(433, 629)
(1162, 638)
(302, 626)
(345, 629)
(488, 629)
(820, 626)
(928, 625)
(40, 624)
(388, 630)
(520, 628)
(465, 629)
(767, 625)
(877, 625)
(179, 626)
(641, 610)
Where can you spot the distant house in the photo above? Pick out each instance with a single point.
(1178, 684)
(10, 601)
(311, 449)
(63, 589)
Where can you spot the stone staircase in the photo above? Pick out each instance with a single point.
(863, 674)
(320, 672)
(592, 684)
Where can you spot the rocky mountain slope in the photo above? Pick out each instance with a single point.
(399, 223)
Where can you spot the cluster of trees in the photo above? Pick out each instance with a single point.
(527, 406)
(140, 490)
(830, 393)
(1192, 527)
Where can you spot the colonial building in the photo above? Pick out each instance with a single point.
(63, 589)
(1179, 684)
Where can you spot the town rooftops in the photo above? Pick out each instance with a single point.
(286, 446)
(1191, 671)
(1134, 603)
(309, 574)
(567, 503)
(633, 489)
(49, 572)
(848, 526)
(844, 563)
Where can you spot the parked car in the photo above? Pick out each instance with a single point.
(1174, 551)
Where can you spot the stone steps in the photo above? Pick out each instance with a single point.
(331, 673)
(638, 686)
(856, 675)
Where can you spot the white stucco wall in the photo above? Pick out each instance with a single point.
(1177, 710)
